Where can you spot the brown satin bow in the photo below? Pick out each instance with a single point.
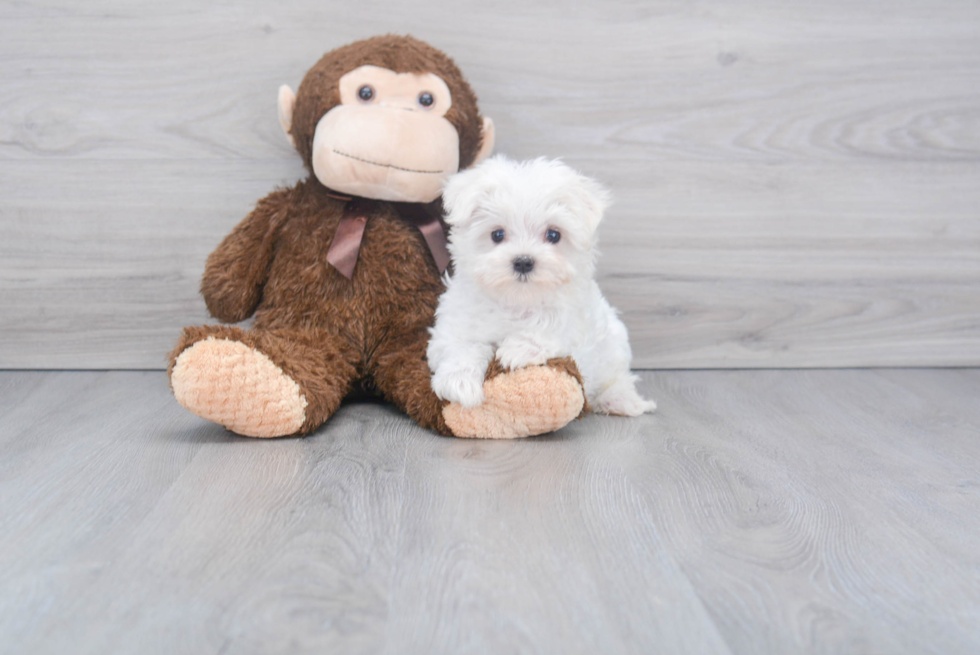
(342, 254)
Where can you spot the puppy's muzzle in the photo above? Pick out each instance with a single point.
(523, 265)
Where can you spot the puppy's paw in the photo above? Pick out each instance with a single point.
(622, 399)
(459, 386)
(521, 350)
(626, 406)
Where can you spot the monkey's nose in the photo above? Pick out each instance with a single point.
(523, 264)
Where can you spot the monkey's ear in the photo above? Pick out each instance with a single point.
(486, 144)
(287, 102)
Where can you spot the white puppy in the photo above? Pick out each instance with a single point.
(523, 244)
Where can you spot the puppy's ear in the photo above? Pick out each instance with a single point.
(465, 192)
(588, 200)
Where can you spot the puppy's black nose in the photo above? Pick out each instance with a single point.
(523, 264)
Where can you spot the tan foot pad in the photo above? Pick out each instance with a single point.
(521, 403)
(238, 387)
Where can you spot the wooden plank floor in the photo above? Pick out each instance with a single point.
(757, 512)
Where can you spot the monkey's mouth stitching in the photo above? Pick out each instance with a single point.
(397, 168)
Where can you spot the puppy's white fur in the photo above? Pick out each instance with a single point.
(554, 310)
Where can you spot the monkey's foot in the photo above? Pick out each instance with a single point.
(238, 387)
(521, 403)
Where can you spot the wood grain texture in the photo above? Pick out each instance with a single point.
(757, 512)
(795, 183)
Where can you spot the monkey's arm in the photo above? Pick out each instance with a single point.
(236, 271)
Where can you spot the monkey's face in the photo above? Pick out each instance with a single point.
(389, 138)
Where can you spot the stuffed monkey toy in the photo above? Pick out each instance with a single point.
(342, 272)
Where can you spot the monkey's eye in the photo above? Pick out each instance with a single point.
(426, 99)
(553, 236)
(497, 236)
(365, 93)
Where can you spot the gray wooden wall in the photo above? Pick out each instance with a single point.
(797, 183)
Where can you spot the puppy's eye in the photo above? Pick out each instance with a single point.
(553, 236)
(497, 236)
(365, 93)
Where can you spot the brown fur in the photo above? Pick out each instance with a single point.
(326, 332)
